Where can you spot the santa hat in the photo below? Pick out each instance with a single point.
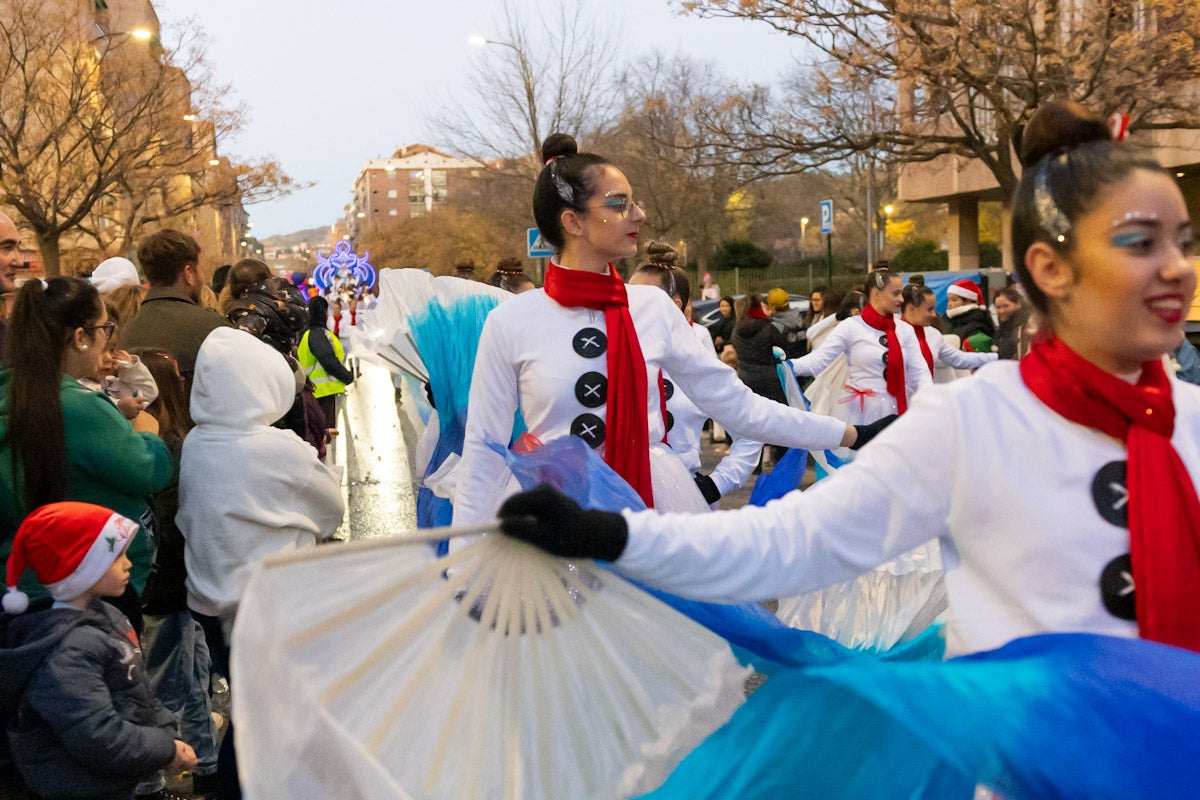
(69, 546)
(966, 289)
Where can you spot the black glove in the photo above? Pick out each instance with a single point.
(708, 488)
(868, 432)
(547, 518)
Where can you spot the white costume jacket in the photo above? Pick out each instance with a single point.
(551, 361)
(1030, 510)
(685, 424)
(949, 355)
(865, 396)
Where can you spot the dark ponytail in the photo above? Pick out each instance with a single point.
(565, 182)
(43, 321)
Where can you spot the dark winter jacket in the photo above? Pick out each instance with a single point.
(753, 340)
(82, 721)
(970, 322)
(173, 321)
(723, 329)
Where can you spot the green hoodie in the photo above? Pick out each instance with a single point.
(107, 464)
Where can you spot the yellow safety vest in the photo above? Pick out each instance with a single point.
(323, 383)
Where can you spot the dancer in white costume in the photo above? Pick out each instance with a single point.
(920, 313)
(580, 355)
(868, 395)
(1056, 543)
(684, 421)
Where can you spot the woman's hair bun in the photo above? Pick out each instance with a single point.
(558, 144)
(1058, 126)
(662, 254)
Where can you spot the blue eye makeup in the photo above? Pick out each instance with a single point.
(1129, 238)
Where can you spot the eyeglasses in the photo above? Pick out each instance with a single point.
(620, 205)
(107, 327)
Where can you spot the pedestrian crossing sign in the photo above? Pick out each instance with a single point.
(537, 246)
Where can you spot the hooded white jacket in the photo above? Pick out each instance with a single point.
(246, 490)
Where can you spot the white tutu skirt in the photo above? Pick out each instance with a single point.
(877, 611)
(675, 489)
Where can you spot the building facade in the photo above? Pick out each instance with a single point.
(414, 181)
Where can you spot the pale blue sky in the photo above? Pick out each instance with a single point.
(332, 84)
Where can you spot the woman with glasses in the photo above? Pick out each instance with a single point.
(1063, 488)
(62, 441)
(581, 356)
(920, 313)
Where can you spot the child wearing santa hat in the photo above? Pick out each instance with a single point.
(967, 316)
(82, 720)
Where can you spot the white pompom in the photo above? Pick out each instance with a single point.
(15, 601)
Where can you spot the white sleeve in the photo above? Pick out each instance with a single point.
(483, 475)
(893, 497)
(732, 471)
(961, 359)
(835, 344)
(716, 390)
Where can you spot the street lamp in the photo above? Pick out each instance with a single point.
(803, 237)
(480, 41)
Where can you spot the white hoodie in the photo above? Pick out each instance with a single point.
(246, 490)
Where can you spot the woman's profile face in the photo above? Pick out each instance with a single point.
(611, 218)
(923, 313)
(726, 309)
(954, 301)
(889, 299)
(1133, 274)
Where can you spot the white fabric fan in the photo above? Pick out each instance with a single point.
(371, 670)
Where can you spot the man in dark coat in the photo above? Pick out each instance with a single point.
(171, 316)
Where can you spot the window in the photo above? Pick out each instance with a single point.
(393, 213)
(393, 194)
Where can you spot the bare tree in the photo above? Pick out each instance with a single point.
(554, 73)
(965, 75)
(90, 118)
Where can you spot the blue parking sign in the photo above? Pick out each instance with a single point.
(826, 216)
(537, 247)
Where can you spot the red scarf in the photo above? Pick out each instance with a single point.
(926, 353)
(1164, 512)
(893, 371)
(756, 312)
(627, 437)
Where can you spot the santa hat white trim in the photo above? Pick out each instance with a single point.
(110, 543)
(963, 292)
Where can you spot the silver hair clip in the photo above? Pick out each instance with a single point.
(560, 185)
(1052, 220)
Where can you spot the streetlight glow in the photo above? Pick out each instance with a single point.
(214, 162)
(888, 210)
(477, 40)
(142, 34)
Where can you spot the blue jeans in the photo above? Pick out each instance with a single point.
(177, 663)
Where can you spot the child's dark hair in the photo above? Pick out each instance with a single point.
(1068, 158)
(853, 301)
(170, 408)
(566, 181)
(43, 322)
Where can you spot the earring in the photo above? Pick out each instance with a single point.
(83, 347)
